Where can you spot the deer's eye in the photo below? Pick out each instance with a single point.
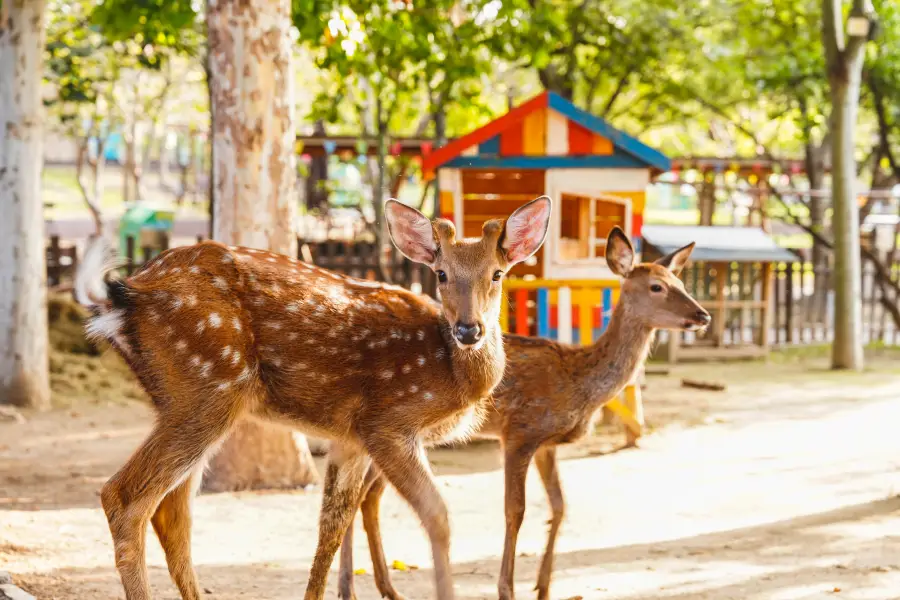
(656, 288)
(498, 275)
(442, 277)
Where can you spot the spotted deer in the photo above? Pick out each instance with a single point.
(217, 333)
(550, 395)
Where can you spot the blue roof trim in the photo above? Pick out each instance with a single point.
(619, 160)
(491, 146)
(646, 154)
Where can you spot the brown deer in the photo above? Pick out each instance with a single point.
(550, 395)
(217, 333)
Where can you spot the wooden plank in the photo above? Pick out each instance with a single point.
(531, 284)
(490, 146)
(525, 181)
(765, 317)
(543, 312)
(564, 310)
(601, 146)
(522, 312)
(534, 134)
(719, 322)
(557, 134)
(511, 141)
(585, 318)
(635, 405)
(509, 120)
(618, 408)
(607, 308)
(581, 140)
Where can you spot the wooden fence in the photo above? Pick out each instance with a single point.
(802, 309)
(354, 259)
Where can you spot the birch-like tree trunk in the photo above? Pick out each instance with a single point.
(844, 60)
(24, 376)
(253, 149)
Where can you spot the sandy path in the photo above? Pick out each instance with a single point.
(786, 489)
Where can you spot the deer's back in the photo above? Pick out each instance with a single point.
(294, 342)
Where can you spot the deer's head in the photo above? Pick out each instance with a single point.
(469, 271)
(653, 292)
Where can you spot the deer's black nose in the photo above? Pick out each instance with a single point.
(703, 317)
(467, 333)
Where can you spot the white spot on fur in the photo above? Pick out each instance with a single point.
(220, 283)
(276, 362)
(244, 375)
(176, 270)
(191, 300)
(235, 358)
(301, 365)
(440, 353)
(428, 396)
(201, 327)
(227, 258)
(195, 361)
(420, 361)
(273, 325)
(206, 369)
(386, 374)
(177, 303)
(195, 270)
(170, 331)
(292, 307)
(180, 346)
(413, 389)
(406, 369)
(236, 323)
(215, 321)
(258, 301)
(223, 386)
(420, 335)
(292, 336)
(226, 352)
(270, 259)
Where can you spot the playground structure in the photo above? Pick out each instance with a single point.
(596, 175)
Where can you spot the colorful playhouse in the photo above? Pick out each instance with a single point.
(597, 177)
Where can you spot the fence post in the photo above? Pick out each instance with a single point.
(129, 254)
(789, 301)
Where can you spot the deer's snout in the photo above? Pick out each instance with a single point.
(700, 319)
(468, 333)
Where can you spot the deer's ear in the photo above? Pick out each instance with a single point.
(526, 229)
(411, 232)
(619, 253)
(676, 261)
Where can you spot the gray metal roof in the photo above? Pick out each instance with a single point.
(721, 244)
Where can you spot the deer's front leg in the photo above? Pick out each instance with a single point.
(343, 485)
(403, 462)
(516, 460)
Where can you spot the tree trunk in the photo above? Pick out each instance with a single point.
(24, 376)
(844, 74)
(253, 140)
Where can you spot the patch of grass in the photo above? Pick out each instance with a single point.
(81, 372)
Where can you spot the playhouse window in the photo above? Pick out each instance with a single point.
(585, 223)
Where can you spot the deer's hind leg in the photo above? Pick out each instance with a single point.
(166, 459)
(347, 466)
(545, 460)
(172, 524)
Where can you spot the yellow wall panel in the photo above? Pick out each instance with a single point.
(534, 133)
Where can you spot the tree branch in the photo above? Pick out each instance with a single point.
(832, 32)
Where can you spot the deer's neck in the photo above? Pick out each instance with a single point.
(477, 372)
(614, 360)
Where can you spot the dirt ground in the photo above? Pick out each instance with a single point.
(784, 487)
